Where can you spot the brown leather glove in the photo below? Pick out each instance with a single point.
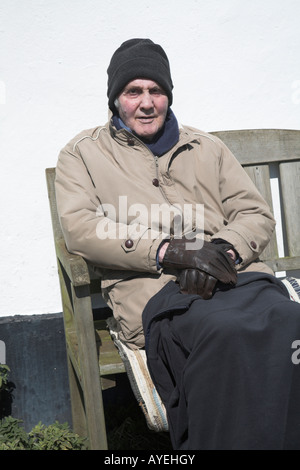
(211, 259)
(194, 281)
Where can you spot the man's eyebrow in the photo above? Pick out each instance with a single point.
(140, 88)
(133, 87)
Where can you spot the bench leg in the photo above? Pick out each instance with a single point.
(89, 366)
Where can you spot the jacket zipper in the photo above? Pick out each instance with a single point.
(156, 165)
(157, 176)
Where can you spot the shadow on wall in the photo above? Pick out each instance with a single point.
(38, 387)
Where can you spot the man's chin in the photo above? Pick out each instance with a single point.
(146, 136)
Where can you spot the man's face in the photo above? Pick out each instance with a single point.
(143, 107)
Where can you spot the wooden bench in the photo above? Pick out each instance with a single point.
(94, 353)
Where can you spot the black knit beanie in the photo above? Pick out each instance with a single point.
(138, 58)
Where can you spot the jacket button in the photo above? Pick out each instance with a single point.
(130, 142)
(253, 245)
(155, 182)
(129, 243)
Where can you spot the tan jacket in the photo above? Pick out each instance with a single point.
(110, 188)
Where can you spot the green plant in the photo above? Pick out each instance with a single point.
(12, 435)
(4, 371)
(54, 437)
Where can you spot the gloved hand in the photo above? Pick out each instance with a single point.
(194, 281)
(211, 260)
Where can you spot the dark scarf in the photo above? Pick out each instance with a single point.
(164, 140)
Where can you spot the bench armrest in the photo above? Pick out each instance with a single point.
(74, 265)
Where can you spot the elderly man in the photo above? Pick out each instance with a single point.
(174, 227)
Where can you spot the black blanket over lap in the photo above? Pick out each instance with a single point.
(223, 366)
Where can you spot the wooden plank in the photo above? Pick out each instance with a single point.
(74, 265)
(50, 178)
(69, 323)
(89, 366)
(110, 361)
(284, 264)
(260, 175)
(79, 424)
(290, 185)
(254, 146)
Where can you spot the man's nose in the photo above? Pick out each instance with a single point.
(147, 101)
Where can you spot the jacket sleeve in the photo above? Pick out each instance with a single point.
(89, 232)
(250, 221)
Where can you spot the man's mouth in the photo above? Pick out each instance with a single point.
(146, 119)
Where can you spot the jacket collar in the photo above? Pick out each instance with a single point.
(125, 137)
(164, 140)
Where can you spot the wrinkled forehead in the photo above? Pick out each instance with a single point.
(143, 84)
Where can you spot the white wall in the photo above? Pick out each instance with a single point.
(235, 64)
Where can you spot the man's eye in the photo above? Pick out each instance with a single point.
(133, 92)
(156, 91)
